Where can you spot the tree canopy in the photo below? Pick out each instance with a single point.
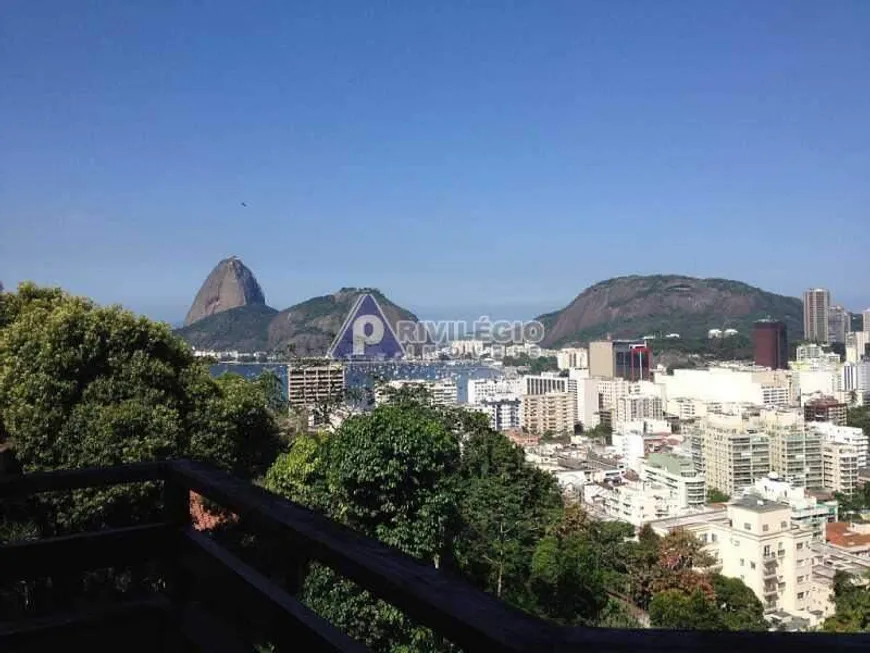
(84, 385)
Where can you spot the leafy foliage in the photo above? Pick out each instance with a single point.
(852, 603)
(717, 496)
(676, 609)
(83, 385)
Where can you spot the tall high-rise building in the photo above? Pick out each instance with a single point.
(838, 324)
(817, 303)
(770, 344)
(866, 320)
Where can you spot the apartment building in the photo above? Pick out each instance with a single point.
(587, 399)
(838, 324)
(686, 409)
(309, 385)
(806, 511)
(795, 451)
(554, 412)
(689, 489)
(851, 435)
(632, 408)
(825, 409)
(478, 390)
(817, 306)
(548, 382)
(840, 467)
(729, 385)
(444, 391)
(760, 546)
(504, 414)
(734, 452)
(467, 348)
(637, 502)
(572, 358)
(857, 345)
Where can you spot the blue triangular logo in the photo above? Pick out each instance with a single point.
(366, 334)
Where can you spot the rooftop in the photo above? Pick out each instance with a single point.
(841, 534)
(757, 504)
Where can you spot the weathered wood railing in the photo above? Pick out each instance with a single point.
(202, 575)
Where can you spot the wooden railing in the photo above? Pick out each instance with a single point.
(203, 577)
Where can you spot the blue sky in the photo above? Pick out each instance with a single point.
(483, 154)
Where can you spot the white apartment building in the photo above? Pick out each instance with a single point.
(760, 546)
(856, 344)
(686, 409)
(548, 382)
(443, 391)
(637, 502)
(809, 352)
(554, 412)
(806, 511)
(613, 389)
(587, 398)
(849, 435)
(688, 488)
(795, 450)
(731, 451)
(630, 446)
(572, 358)
(840, 467)
(727, 385)
(465, 348)
(631, 408)
(504, 414)
(479, 390)
(866, 320)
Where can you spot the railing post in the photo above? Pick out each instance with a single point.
(176, 504)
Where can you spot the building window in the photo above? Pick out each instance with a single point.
(783, 524)
(741, 562)
(801, 579)
(752, 565)
(767, 550)
(765, 528)
(800, 595)
(747, 526)
(800, 546)
(712, 537)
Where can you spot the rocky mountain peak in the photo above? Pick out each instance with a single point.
(229, 285)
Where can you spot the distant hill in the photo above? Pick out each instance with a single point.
(635, 306)
(245, 328)
(307, 329)
(310, 327)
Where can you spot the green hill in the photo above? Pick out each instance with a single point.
(245, 328)
(636, 306)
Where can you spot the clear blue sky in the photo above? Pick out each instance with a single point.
(455, 154)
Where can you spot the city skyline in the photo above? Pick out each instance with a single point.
(446, 154)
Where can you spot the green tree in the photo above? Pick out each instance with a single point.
(83, 385)
(390, 474)
(717, 496)
(300, 473)
(505, 507)
(739, 607)
(677, 610)
(852, 606)
(567, 583)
